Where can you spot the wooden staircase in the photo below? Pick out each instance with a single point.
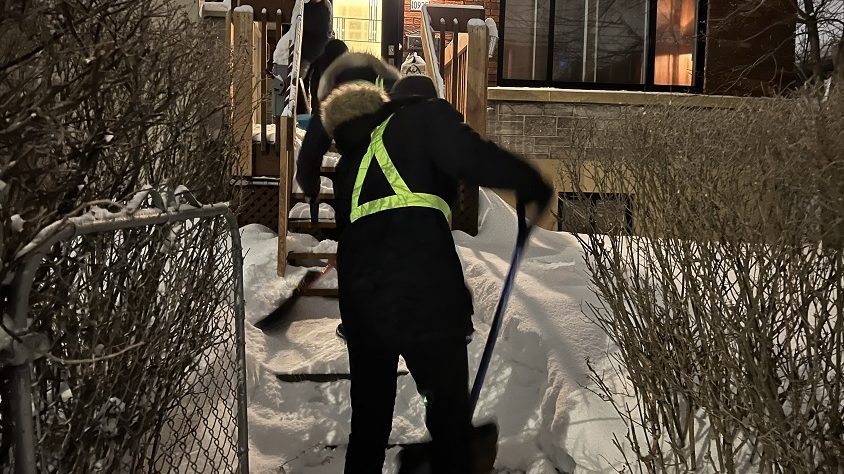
(456, 49)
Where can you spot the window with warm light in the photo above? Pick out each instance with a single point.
(358, 24)
(615, 44)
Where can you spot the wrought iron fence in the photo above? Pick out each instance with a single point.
(128, 344)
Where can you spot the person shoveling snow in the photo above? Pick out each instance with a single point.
(402, 290)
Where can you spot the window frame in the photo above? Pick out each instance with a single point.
(650, 44)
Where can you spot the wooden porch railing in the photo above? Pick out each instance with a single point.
(458, 68)
(252, 32)
(286, 134)
(261, 134)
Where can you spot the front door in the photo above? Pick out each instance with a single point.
(370, 26)
(358, 24)
(393, 29)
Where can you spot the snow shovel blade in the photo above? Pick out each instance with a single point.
(309, 279)
(416, 458)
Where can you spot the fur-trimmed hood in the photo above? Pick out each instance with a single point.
(356, 66)
(350, 101)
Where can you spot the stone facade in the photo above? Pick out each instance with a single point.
(550, 126)
(541, 130)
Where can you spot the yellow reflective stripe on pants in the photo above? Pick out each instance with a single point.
(404, 197)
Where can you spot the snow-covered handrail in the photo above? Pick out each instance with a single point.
(433, 69)
(294, 58)
(459, 72)
(459, 17)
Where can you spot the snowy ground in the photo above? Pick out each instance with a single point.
(549, 423)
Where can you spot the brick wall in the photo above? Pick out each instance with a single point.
(543, 133)
(413, 23)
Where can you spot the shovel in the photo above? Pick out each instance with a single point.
(310, 278)
(416, 458)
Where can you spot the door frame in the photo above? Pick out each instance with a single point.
(392, 31)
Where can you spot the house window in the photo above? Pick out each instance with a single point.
(620, 44)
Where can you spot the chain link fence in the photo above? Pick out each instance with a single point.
(128, 345)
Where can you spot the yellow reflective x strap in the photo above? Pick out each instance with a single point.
(404, 197)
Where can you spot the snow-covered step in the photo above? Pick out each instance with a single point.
(303, 211)
(330, 160)
(326, 286)
(326, 186)
(313, 350)
(315, 254)
(310, 259)
(256, 132)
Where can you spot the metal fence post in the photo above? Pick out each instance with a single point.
(20, 380)
(243, 420)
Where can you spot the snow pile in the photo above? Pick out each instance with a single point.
(546, 418)
(264, 290)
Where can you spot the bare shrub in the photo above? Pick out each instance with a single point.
(99, 98)
(726, 302)
(142, 372)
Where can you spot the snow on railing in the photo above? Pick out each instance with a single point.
(462, 14)
(146, 203)
(294, 57)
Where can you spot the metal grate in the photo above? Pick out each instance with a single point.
(595, 213)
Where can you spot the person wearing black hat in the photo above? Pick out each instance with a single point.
(402, 290)
(316, 143)
(333, 50)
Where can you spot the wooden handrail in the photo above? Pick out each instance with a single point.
(244, 84)
(463, 46)
(459, 72)
(286, 136)
(455, 70)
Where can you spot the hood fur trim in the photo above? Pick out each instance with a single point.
(328, 81)
(350, 101)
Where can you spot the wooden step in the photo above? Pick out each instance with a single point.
(305, 224)
(323, 197)
(311, 255)
(323, 378)
(322, 292)
(310, 259)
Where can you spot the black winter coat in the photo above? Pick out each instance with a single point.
(399, 273)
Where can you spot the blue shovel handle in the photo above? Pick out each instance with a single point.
(521, 241)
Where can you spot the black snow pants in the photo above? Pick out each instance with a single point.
(440, 370)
